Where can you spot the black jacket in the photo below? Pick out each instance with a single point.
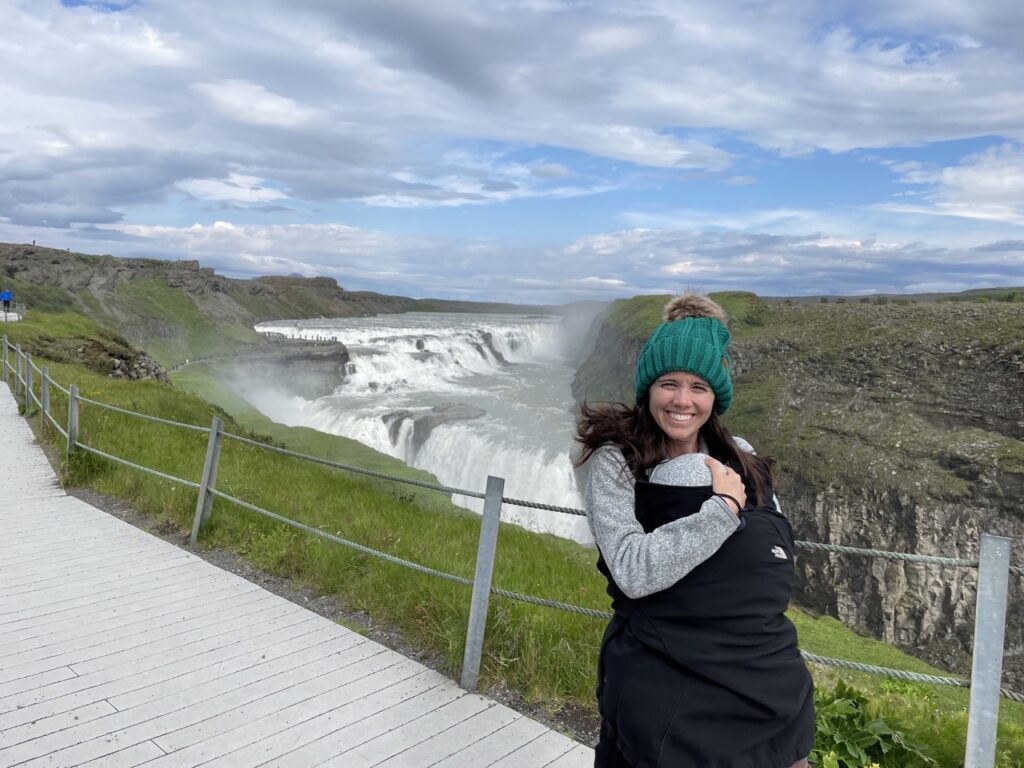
(707, 674)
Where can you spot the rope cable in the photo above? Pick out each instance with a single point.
(119, 460)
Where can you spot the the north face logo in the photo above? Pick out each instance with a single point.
(780, 553)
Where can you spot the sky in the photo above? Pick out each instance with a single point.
(534, 151)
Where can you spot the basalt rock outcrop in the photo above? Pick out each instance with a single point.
(897, 427)
(307, 369)
(425, 422)
(108, 354)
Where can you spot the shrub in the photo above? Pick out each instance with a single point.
(847, 736)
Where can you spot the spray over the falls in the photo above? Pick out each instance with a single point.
(462, 396)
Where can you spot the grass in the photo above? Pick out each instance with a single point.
(547, 656)
(174, 325)
(46, 298)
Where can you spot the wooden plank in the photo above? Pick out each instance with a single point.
(330, 745)
(305, 651)
(161, 621)
(116, 596)
(577, 757)
(107, 615)
(542, 751)
(233, 735)
(495, 746)
(277, 616)
(58, 722)
(51, 585)
(141, 723)
(379, 749)
(320, 739)
(28, 566)
(143, 645)
(134, 676)
(137, 689)
(455, 739)
(165, 612)
(135, 755)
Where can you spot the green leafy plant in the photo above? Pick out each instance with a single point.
(847, 735)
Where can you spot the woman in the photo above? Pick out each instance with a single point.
(699, 666)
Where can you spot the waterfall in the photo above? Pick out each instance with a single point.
(461, 396)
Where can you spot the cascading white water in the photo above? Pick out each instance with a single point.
(459, 395)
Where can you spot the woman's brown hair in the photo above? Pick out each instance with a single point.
(634, 431)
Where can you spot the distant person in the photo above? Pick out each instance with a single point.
(5, 297)
(699, 666)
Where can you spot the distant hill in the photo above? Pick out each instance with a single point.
(179, 309)
(1007, 294)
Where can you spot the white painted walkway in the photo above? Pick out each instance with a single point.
(119, 649)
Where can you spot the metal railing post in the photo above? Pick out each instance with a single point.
(44, 397)
(28, 382)
(204, 504)
(17, 372)
(72, 419)
(987, 666)
(7, 365)
(482, 582)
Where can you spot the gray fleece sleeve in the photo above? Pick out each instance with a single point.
(645, 563)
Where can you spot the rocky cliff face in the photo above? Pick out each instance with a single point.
(301, 368)
(894, 427)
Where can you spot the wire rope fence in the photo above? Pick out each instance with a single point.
(993, 565)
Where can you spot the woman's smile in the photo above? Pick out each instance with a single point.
(681, 403)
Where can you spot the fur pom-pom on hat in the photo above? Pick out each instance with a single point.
(693, 338)
(692, 304)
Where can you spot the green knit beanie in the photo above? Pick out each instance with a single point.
(694, 339)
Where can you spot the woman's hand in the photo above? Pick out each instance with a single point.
(727, 484)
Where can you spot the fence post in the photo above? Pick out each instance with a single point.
(44, 397)
(72, 419)
(17, 372)
(987, 666)
(28, 382)
(204, 504)
(6, 364)
(482, 582)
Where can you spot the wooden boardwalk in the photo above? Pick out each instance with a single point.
(119, 649)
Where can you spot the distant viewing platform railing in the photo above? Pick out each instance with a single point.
(16, 312)
(993, 565)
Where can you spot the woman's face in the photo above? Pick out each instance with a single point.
(681, 403)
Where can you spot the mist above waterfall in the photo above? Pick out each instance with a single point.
(462, 396)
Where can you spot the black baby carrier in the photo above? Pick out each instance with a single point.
(706, 673)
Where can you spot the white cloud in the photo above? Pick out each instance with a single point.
(320, 85)
(988, 186)
(237, 187)
(251, 102)
(601, 282)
